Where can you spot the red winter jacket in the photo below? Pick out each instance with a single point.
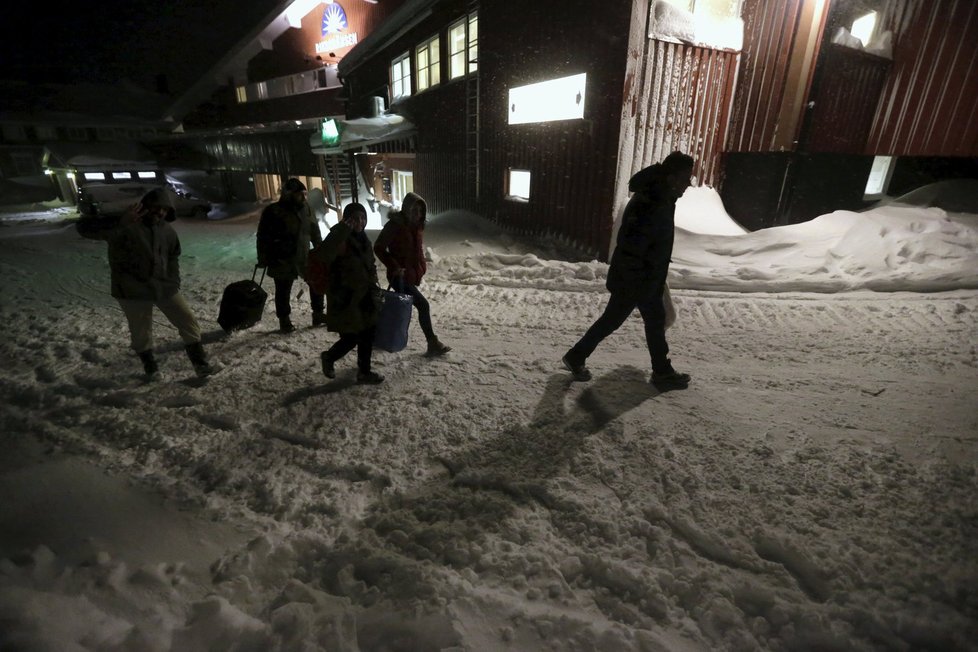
(401, 245)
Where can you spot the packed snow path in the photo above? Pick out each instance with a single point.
(814, 487)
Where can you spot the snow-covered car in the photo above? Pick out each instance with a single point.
(112, 199)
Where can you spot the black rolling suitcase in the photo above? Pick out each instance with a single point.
(242, 304)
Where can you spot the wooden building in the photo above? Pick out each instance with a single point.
(787, 126)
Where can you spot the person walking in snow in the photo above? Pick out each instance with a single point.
(638, 269)
(286, 230)
(144, 255)
(400, 246)
(352, 304)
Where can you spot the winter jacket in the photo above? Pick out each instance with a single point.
(285, 232)
(351, 298)
(144, 255)
(643, 250)
(401, 245)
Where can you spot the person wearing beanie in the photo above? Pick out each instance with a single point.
(286, 232)
(400, 247)
(352, 306)
(144, 259)
(638, 269)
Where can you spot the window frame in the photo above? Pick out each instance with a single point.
(400, 65)
(428, 73)
(510, 196)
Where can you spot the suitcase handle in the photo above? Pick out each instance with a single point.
(256, 272)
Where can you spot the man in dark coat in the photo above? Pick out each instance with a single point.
(638, 269)
(144, 258)
(286, 230)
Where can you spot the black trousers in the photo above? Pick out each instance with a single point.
(364, 343)
(653, 313)
(283, 296)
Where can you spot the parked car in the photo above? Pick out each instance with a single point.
(110, 200)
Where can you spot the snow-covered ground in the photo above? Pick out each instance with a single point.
(814, 489)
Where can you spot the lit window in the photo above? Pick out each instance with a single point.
(427, 62)
(456, 50)
(146, 175)
(121, 175)
(557, 99)
(241, 94)
(94, 176)
(403, 183)
(401, 77)
(879, 176)
(518, 184)
(711, 8)
(862, 28)
(473, 42)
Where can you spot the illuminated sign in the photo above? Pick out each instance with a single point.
(334, 22)
(329, 131)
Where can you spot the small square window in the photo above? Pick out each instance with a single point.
(517, 184)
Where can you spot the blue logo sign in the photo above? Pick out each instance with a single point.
(334, 19)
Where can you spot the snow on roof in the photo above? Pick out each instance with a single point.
(101, 155)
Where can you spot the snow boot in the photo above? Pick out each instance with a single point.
(435, 348)
(150, 367)
(369, 378)
(577, 369)
(285, 325)
(669, 378)
(319, 318)
(198, 358)
(329, 370)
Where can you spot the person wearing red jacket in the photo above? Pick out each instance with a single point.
(400, 247)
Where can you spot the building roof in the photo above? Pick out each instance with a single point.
(406, 17)
(120, 155)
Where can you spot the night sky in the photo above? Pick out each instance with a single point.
(112, 40)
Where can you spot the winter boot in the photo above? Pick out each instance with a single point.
(329, 369)
(436, 348)
(577, 369)
(197, 356)
(668, 378)
(285, 325)
(369, 378)
(150, 367)
(319, 318)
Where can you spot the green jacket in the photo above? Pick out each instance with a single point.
(351, 297)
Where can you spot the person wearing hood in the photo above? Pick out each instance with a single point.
(286, 231)
(638, 269)
(400, 247)
(351, 295)
(144, 259)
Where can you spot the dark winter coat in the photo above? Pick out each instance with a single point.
(144, 255)
(643, 250)
(285, 231)
(401, 245)
(351, 297)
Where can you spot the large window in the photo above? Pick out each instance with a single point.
(401, 77)
(428, 63)
(556, 99)
(517, 184)
(463, 46)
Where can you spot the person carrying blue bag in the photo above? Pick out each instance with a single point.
(351, 293)
(400, 246)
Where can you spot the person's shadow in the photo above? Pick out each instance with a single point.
(443, 520)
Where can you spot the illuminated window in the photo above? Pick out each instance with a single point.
(401, 77)
(121, 175)
(473, 42)
(517, 184)
(402, 183)
(94, 176)
(862, 28)
(557, 99)
(879, 176)
(427, 63)
(146, 175)
(711, 8)
(456, 50)
(241, 94)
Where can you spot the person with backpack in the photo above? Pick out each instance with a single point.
(144, 260)
(639, 267)
(286, 230)
(352, 304)
(400, 247)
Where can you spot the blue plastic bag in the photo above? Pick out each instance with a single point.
(393, 321)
